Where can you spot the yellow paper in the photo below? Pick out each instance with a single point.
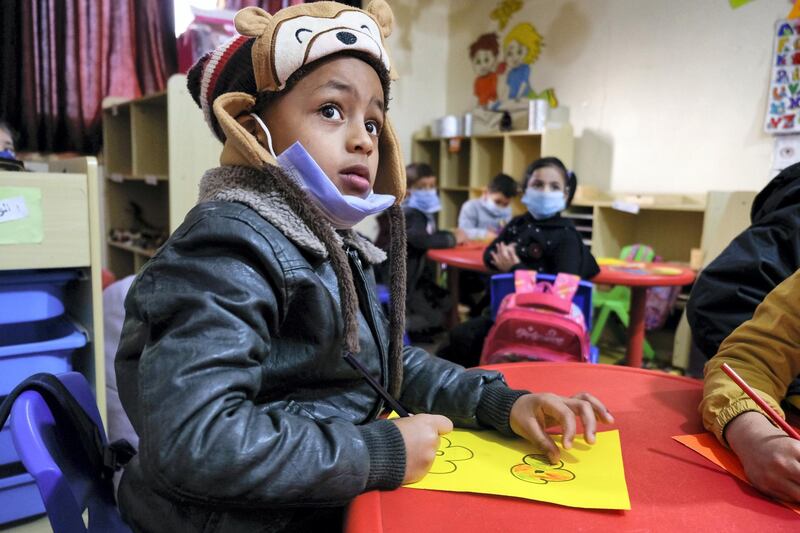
(589, 476)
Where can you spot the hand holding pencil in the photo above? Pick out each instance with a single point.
(770, 455)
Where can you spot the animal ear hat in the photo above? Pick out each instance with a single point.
(268, 51)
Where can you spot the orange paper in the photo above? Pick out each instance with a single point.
(709, 447)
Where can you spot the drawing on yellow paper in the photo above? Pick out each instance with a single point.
(588, 476)
(447, 456)
(536, 468)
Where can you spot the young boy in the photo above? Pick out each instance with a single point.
(484, 217)
(765, 352)
(232, 360)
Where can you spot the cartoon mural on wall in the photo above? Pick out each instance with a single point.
(503, 74)
(485, 54)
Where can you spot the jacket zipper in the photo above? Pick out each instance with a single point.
(367, 298)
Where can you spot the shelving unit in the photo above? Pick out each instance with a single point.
(156, 149)
(466, 165)
(71, 242)
(71, 239)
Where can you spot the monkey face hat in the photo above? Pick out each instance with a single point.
(226, 82)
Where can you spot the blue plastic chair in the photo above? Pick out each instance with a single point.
(503, 284)
(59, 466)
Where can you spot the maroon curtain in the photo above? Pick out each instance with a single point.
(60, 58)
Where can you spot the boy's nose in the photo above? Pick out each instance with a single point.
(346, 37)
(360, 141)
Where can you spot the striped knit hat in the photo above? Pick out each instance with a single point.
(226, 82)
(229, 68)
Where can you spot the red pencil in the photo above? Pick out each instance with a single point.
(761, 403)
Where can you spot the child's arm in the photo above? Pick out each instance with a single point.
(417, 235)
(765, 351)
(480, 398)
(468, 221)
(573, 257)
(504, 238)
(197, 365)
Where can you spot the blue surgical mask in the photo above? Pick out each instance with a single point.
(426, 200)
(495, 210)
(342, 210)
(544, 204)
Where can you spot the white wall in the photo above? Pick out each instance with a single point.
(419, 49)
(665, 96)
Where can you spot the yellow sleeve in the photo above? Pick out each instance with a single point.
(764, 351)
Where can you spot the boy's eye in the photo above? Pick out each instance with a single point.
(330, 111)
(373, 128)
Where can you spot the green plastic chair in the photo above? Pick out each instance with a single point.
(618, 299)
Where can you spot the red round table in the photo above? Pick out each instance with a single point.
(637, 276)
(671, 487)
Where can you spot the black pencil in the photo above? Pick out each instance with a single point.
(394, 404)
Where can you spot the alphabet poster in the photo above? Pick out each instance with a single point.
(485, 462)
(783, 100)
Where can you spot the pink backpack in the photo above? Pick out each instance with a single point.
(538, 322)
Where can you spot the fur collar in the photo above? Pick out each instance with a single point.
(255, 189)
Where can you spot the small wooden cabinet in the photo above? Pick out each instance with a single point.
(156, 149)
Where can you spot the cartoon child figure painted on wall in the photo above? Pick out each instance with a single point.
(522, 46)
(485, 54)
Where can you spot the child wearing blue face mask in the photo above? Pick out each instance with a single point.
(427, 303)
(484, 217)
(542, 239)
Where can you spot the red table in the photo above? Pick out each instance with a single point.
(671, 487)
(637, 276)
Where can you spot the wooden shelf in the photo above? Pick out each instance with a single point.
(464, 174)
(132, 249)
(157, 149)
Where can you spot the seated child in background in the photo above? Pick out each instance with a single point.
(541, 239)
(231, 363)
(765, 352)
(426, 302)
(484, 217)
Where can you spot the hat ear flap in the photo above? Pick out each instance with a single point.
(391, 178)
(252, 21)
(241, 144)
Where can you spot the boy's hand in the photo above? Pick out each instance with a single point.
(532, 413)
(504, 257)
(421, 437)
(771, 459)
(461, 236)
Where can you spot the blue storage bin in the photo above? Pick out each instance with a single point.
(31, 295)
(29, 348)
(19, 498)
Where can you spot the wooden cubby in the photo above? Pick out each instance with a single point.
(156, 149)
(466, 165)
